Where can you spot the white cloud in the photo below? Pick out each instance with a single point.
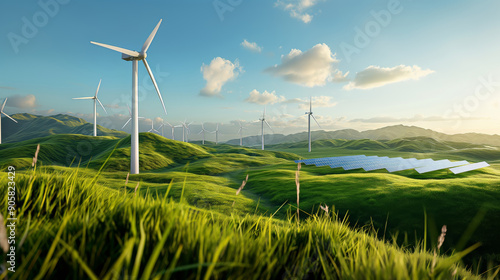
(299, 9)
(22, 102)
(416, 118)
(252, 46)
(218, 73)
(264, 98)
(311, 68)
(376, 76)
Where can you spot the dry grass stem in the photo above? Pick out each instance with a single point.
(297, 183)
(440, 243)
(241, 187)
(324, 208)
(3, 236)
(136, 187)
(126, 180)
(35, 158)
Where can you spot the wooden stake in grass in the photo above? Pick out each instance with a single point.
(3, 236)
(297, 182)
(35, 158)
(241, 188)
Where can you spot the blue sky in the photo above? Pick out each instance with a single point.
(432, 64)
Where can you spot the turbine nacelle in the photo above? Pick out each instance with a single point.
(131, 58)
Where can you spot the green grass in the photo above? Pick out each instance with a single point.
(82, 229)
(392, 206)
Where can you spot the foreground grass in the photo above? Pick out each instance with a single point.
(76, 229)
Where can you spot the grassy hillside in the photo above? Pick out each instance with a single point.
(207, 177)
(85, 230)
(34, 126)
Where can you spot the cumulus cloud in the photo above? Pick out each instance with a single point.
(376, 76)
(311, 68)
(218, 73)
(22, 102)
(264, 98)
(299, 9)
(252, 46)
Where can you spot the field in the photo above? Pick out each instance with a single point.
(177, 218)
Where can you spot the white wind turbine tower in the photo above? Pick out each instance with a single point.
(263, 120)
(203, 130)
(309, 115)
(185, 131)
(153, 130)
(2, 112)
(130, 114)
(240, 131)
(216, 131)
(95, 106)
(135, 57)
(172, 127)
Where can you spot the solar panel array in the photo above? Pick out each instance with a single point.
(370, 163)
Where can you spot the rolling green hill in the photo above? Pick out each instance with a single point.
(208, 176)
(385, 133)
(33, 126)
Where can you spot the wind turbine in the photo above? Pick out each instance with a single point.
(240, 131)
(2, 112)
(152, 128)
(216, 131)
(130, 114)
(263, 120)
(203, 130)
(95, 106)
(185, 131)
(309, 115)
(135, 57)
(171, 126)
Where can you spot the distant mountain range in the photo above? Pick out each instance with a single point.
(33, 126)
(385, 133)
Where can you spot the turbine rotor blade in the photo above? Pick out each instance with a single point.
(126, 123)
(315, 120)
(154, 83)
(118, 49)
(3, 106)
(98, 86)
(130, 112)
(9, 117)
(146, 45)
(268, 124)
(101, 105)
(85, 97)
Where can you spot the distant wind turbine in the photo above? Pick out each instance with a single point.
(203, 130)
(153, 130)
(172, 127)
(185, 131)
(135, 57)
(309, 115)
(2, 112)
(216, 131)
(240, 131)
(263, 120)
(95, 106)
(130, 114)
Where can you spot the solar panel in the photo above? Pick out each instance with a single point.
(469, 167)
(442, 164)
(369, 163)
